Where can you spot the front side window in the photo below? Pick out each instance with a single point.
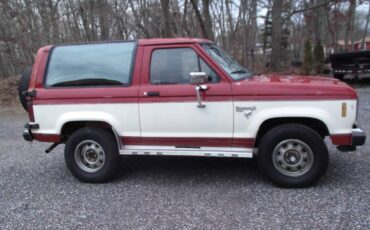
(233, 68)
(173, 66)
(103, 64)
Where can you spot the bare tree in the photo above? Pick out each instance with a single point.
(277, 24)
(206, 22)
(366, 26)
(166, 18)
(26, 25)
(350, 23)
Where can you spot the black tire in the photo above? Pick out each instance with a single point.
(272, 160)
(23, 86)
(107, 142)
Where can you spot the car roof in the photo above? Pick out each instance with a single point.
(161, 41)
(143, 42)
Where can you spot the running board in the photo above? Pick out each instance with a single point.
(183, 151)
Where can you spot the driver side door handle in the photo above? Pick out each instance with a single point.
(152, 94)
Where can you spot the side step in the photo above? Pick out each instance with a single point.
(184, 151)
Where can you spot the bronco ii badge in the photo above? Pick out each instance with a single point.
(247, 111)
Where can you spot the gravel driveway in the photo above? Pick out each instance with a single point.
(37, 191)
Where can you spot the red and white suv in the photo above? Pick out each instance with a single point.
(182, 97)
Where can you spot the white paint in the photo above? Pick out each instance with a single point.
(124, 118)
(329, 112)
(185, 119)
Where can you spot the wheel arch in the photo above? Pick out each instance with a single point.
(317, 125)
(68, 128)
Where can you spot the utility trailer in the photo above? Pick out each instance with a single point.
(355, 65)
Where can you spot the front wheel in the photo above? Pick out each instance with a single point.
(91, 154)
(293, 155)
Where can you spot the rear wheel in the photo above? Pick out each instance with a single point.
(91, 154)
(293, 155)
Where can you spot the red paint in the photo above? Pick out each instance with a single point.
(168, 141)
(275, 87)
(341, 139)
(190, 141)
(243, 142)
(271, 87)
(171, 41)
(46, 137)
(87, 95)
(73, 101)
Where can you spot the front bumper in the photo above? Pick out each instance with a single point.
(358, 139)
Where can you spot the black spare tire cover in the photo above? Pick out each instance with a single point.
(23, 86)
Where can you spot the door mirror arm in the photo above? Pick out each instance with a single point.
(198, 89)
(198, 79)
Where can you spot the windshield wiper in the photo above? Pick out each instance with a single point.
(239, 71)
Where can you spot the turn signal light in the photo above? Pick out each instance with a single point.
(344, 109)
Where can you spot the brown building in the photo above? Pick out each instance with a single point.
(357, 45)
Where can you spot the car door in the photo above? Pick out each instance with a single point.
(169, 114)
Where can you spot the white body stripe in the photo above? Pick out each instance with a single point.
(185, 119)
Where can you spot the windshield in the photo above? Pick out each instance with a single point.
(233, 68)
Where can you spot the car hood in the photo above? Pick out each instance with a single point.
(292, 87)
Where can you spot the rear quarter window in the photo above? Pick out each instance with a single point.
(103, 64)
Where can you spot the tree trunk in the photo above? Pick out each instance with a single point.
(366, 25)
(201, 22)
(103, 20)
(165, 4)
(319, 22)
(253, 32)
(208, 19)
(350, 24)
(85, 23)
(276, 35)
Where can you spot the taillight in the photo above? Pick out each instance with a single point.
(30, 109)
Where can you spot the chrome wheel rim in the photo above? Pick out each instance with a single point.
(89, 156)
(292, 158)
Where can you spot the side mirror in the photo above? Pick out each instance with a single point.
(197, 78)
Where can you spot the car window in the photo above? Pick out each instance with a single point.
(103, 64)
(173, 66)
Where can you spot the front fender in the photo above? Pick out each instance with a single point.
(329, 112)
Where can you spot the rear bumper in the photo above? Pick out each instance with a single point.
(27, 133)
(358, 138)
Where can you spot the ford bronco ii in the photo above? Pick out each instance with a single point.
(182, 97)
